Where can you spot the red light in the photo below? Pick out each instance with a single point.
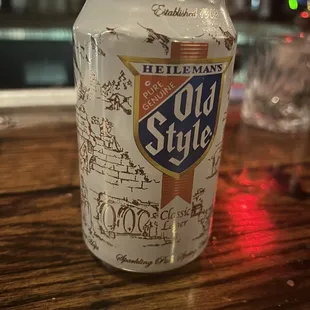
(243, 178)
(289, 39)
(250, 221)
(264, 182)
(249, 215)
(304, 14)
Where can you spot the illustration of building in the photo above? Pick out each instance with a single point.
(122, 216)
(101, 152)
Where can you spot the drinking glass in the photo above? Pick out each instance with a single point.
(277, 95)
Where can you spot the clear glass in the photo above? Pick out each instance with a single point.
(277, 95)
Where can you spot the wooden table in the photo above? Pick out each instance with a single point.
(258, 256)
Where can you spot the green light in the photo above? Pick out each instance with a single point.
(293, 4)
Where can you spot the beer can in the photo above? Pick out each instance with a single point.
(153, 83)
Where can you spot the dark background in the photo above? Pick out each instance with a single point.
(36, 44)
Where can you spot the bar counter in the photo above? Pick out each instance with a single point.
(258, 255)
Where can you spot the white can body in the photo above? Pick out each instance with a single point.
(153, 84)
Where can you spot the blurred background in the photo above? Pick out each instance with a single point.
(36, 43)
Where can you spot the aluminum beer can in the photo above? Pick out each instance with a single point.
(153, 83)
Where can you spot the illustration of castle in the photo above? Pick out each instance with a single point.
(122, 216)
(117, 217)
(101, 152)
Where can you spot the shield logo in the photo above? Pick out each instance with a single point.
(176, 109)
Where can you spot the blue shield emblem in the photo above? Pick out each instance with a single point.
(176, 114)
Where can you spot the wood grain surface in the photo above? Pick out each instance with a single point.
(258, 256)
